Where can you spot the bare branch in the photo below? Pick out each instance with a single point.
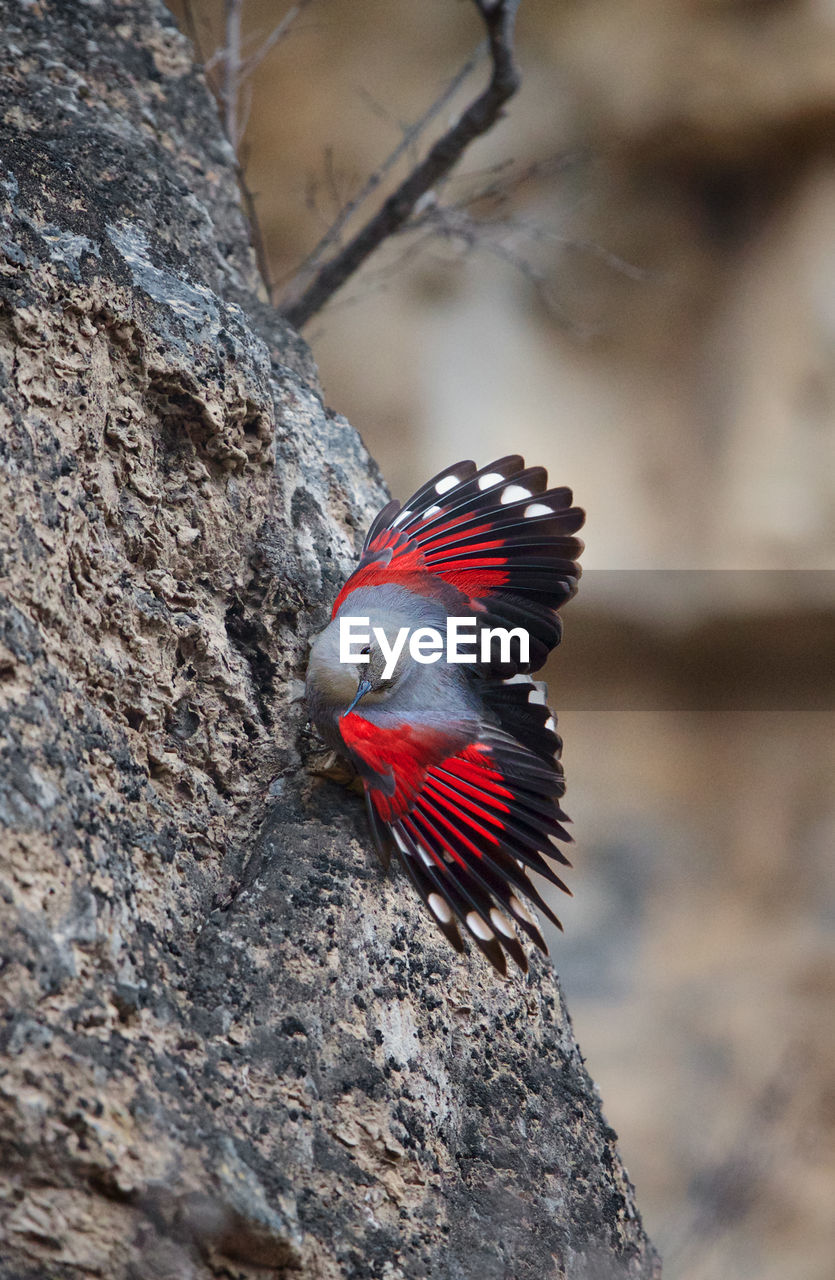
(244, 109)
(453, 223)
(232, 68)
(238, 66)
(279, 31)
(503, 180)
(233, 90)
(410, 137)
(256, 235)
(499, 237)
(499, 17)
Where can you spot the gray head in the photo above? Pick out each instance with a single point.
(335, 687)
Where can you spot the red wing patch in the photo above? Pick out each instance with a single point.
(468, 822)
(498, 537)
(396, 760)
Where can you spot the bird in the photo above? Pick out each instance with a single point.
(459, 760)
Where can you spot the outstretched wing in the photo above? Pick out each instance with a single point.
(498, 538)
(468, 822)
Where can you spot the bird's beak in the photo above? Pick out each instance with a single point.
(363, 688)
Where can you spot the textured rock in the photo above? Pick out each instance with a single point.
(230, 1045)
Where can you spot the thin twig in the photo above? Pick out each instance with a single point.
(410, 137)
(232, 68)
(499, 17)
(244, 110)
(279, 31)
(379, 109)
(256, 234)
(506, 178)
(256, 41)
(331, 178)
(457, 224)
(379, 280)
(456, 220)
(236, 70)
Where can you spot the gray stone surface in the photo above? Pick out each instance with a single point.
(231, 1046)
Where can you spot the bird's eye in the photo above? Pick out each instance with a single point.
(366, 648)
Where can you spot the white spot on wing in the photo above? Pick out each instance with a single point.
(515, 493)
(551, 724)
(425, 856)
(476, 925)
(487, 482)
(538, 694)
(400, 842)
(501, 922)
(446, 483)
(519, 911)
(537, 509)
(404, 515)
(520, 678)
(439, 908)
(432, 511)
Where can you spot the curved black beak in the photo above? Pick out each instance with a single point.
(363, 688)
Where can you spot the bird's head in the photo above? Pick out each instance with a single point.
(339, 686)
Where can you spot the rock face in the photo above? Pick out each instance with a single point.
(230, 1044)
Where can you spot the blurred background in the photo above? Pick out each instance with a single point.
(632, 281)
